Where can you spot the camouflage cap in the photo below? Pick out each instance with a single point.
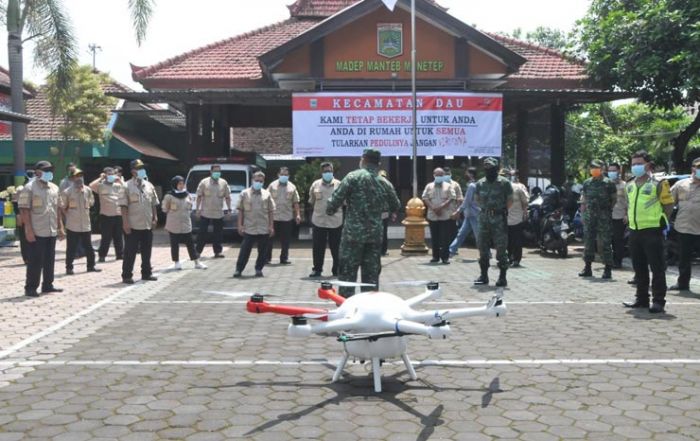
(597, 163)
(373, 155)
(490, 162)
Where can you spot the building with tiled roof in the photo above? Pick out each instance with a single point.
(235, 88)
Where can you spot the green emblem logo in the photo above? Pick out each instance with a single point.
(390, 39)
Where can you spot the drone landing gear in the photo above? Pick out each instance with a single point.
(339, 370)
(376, 370)
(409, 367)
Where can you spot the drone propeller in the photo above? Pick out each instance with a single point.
(426, 282)
(236, 295)
(348, 284)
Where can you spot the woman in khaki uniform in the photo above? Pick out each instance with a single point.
(177, 205)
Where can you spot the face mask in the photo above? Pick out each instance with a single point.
(47, 176)
(257, 186)
(447, 178)
(284, 179)
(596, 172)
(215, 175)
(491, 173)
(638, 170)
(141, 173)
(111, 178)
(613, 175)
(328, 176)
(439, 179)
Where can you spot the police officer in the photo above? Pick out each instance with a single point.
(138, 202)
(38, 204)
(109, 188)
(326, 229)
(619, 212)
(178, 223)
(686, 195)
(211, 194)
(598, 197)
(439, 197)
(256, 214)
(517, 215)
(650, 204)
(287, 213)
(366, 196)
(75, 203)
(494, 194)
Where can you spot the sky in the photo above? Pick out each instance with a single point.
(182, 25)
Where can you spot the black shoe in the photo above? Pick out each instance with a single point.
(259, 274)
(632, 281)
(31, 293)
(482, 280)
(587, 272)
(128, 281)
(656, 309)
(101, 260)
(446, 262)
(677, 287)
(433, 260)
(69, 272)
(607, 272)
(94, 270)
(51, 289)
(237, 275)
(285, 262)
(636, 304)
(150, 278)
(315, 274)
(502, 279)
(219, 256)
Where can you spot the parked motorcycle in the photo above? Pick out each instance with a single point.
(556, 234)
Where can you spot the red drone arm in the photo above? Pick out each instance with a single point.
(295, 311)
(330, 294)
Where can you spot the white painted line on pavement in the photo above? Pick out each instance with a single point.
(426, 363)
(304, 302)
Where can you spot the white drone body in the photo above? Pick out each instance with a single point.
(374, 325)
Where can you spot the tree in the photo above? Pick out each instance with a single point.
(549, 37)
(649, 47)
(47, 23)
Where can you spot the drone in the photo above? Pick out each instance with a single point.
(374, 325)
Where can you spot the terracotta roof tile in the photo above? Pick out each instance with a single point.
(277, 140)
(321, 8)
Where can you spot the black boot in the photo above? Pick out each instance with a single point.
(484, 277)
(607, 273)
(587, 272)
(502, 279)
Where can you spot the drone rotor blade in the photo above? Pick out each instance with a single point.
(236, 294)
(349, 284)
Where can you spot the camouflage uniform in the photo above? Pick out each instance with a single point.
(599, 195)
(367, 196)
(493, 198)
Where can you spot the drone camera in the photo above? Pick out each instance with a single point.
(433, 286)
(299, 321)
(257, 298)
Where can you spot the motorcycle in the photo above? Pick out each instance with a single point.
(556, 234)
(531, 231)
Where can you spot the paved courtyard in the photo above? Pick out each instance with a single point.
(170, 360)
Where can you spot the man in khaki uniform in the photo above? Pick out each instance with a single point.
(109, 187)
(75, 203)
(619, 213)
(138, 203)
(326, 229)
(440, 198)
(517, 215)
(287, 213)
(256, 210)
(38, 204)
(686, 195)
(211, 194)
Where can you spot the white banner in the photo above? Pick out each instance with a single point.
(449, 124)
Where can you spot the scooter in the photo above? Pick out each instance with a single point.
(556, 234)
(531, 231)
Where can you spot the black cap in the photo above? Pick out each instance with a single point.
(43, 166)
(137, 164)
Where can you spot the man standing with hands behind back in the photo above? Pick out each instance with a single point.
(287, 213)
(109, 187)
(686, 195)
(211, 194)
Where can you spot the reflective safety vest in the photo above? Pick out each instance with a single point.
(644, 208)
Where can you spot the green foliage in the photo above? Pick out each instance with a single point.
(307, 174)
(545, 36)
(613, 133)
(82, 105)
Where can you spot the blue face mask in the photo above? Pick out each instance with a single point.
(111, 178)
(613, 175)
(284, 179)
(447, 178)
(141, 173)
(439, 179)
(257, 186)
(215, 175)
(638, 170)
(47, 176)
(328, 176)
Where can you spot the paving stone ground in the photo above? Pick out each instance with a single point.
(172, 360)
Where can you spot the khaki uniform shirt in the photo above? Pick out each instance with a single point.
(319, 194)
(214, 193)
(285, 197)
(258, 208)
(178, 210)
(109, 195)
(42, 201)
(619, 210)
(76, 203)
(459, 196)
(139, 198)
(686, 193)
(520, 200)
(438, 196)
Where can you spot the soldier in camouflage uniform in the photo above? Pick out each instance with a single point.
(367, 196)
(494, 195)
(598, 198)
